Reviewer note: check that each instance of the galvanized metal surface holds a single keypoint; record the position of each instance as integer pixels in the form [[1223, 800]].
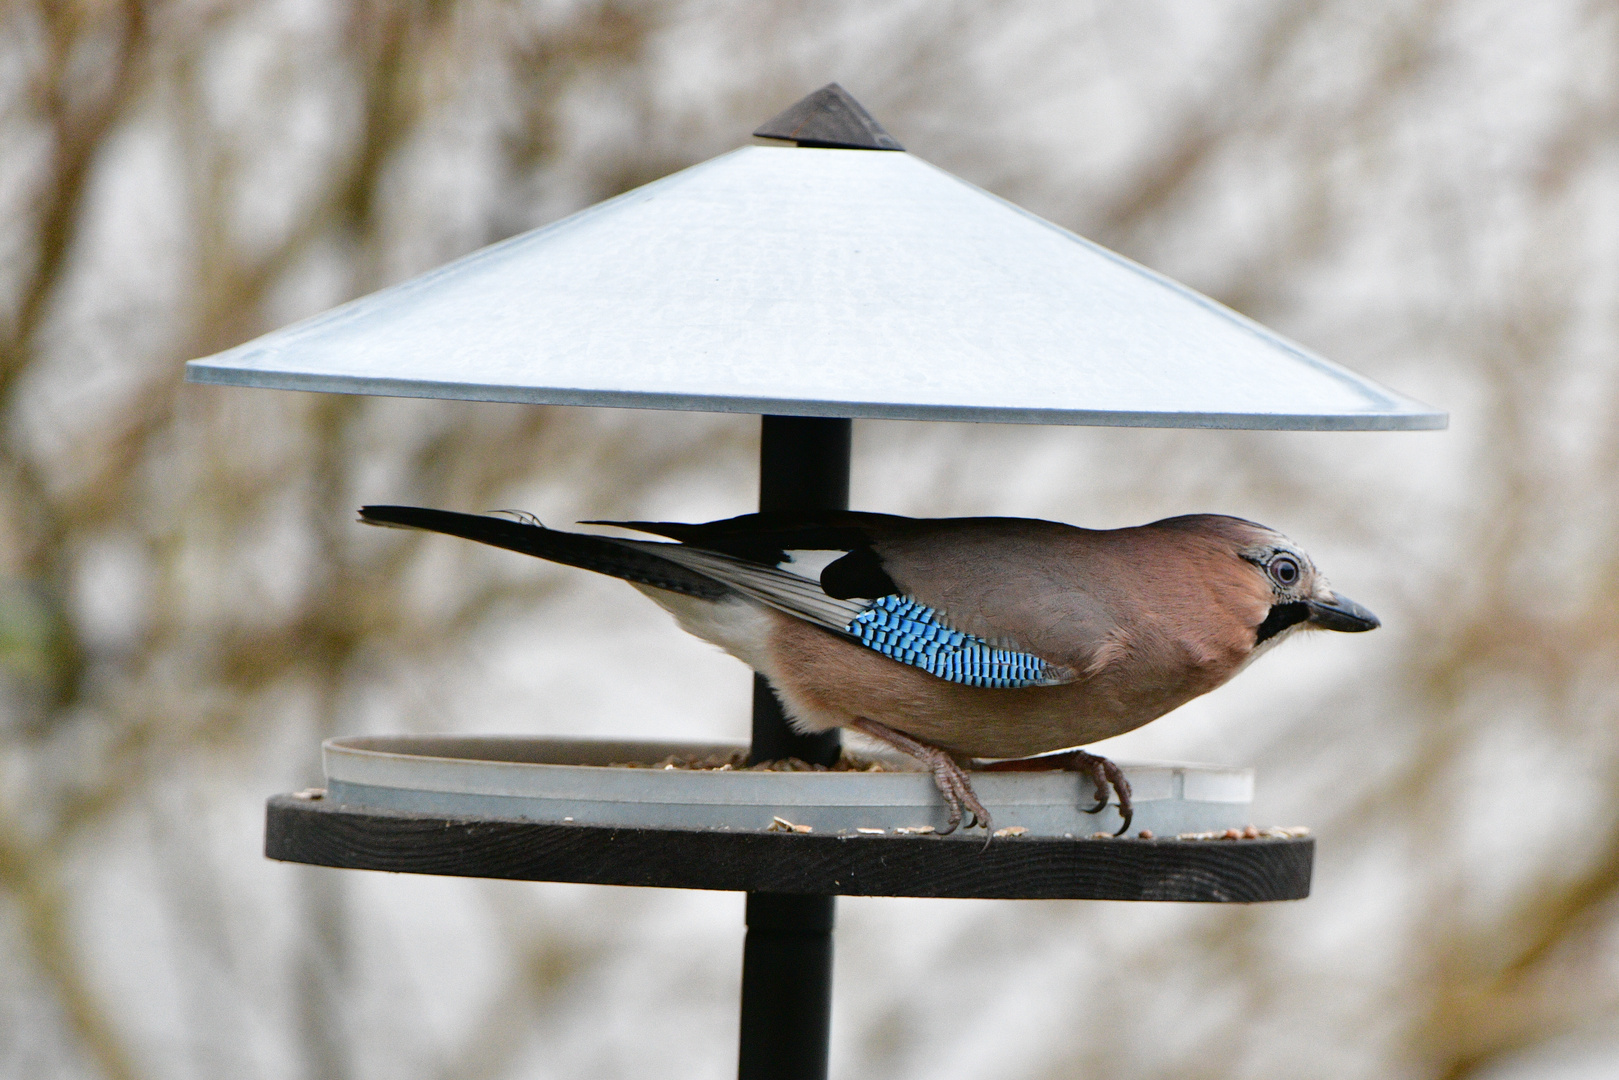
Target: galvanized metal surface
[[573, 780], [818, 282]]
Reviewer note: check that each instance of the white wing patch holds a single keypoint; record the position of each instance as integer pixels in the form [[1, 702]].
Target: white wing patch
[[780, 589]]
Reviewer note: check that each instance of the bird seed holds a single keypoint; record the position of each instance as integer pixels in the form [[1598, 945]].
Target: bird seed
[[781, 824]]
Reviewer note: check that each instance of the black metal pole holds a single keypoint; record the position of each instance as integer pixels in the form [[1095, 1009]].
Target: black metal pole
[[787, 957]]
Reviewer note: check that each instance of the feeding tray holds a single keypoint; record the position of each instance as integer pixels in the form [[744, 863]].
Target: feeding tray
[[608, 811], [841, 278]]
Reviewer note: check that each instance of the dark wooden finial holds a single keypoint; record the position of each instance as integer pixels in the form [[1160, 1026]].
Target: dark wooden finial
[[830, 117]]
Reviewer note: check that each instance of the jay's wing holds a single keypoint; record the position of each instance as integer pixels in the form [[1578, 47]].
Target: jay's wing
[[912, 619], [898, 626], [840, 541]]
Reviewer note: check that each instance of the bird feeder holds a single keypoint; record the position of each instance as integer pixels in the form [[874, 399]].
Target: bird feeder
[[836, 278]]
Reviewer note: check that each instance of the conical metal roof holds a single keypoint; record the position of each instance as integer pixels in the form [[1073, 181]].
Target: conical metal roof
[[818, 282]]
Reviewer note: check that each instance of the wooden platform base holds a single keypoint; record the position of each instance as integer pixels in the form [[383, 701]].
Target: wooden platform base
[[1210, 871]]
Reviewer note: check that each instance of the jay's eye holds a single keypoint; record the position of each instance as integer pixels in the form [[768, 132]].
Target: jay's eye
[[1284, 570]]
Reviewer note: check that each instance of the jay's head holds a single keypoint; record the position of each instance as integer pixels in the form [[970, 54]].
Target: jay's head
[[1297, 594]]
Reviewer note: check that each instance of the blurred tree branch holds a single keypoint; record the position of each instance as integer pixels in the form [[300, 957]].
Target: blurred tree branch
[[257, 608]]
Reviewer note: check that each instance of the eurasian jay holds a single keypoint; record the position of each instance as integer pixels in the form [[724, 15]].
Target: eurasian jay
[[952, 639]]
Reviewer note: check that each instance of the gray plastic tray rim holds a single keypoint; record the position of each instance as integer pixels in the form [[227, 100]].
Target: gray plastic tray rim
[[575, 779]]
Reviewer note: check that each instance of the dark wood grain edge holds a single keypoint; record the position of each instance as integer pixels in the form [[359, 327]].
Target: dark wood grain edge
[[1244, 871]]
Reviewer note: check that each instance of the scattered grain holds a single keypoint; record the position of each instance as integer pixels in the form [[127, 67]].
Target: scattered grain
[[737, 760]]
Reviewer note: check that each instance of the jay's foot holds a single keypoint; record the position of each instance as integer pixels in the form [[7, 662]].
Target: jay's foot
[[950, 777], [1101, 772]]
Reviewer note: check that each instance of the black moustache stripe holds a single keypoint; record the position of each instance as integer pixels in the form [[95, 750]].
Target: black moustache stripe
[[1280, 618]]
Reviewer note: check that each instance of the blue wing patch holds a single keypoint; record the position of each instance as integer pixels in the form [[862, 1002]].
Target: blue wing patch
[[914, 634]]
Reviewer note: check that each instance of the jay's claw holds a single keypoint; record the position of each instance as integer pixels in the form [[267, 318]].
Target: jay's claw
[[1113, 776], [1101, 772], [949, 777]]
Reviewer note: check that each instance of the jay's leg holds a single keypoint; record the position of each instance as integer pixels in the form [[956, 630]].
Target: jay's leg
[[1099, 770], [949, 776]]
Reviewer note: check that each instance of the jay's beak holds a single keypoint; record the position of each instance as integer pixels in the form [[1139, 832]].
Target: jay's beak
[[1341, 613]]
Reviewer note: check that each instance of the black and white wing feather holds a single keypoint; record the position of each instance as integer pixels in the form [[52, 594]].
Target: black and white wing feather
[[897, 626]]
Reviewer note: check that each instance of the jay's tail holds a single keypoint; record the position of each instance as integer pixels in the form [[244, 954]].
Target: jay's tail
[[602, 554]]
